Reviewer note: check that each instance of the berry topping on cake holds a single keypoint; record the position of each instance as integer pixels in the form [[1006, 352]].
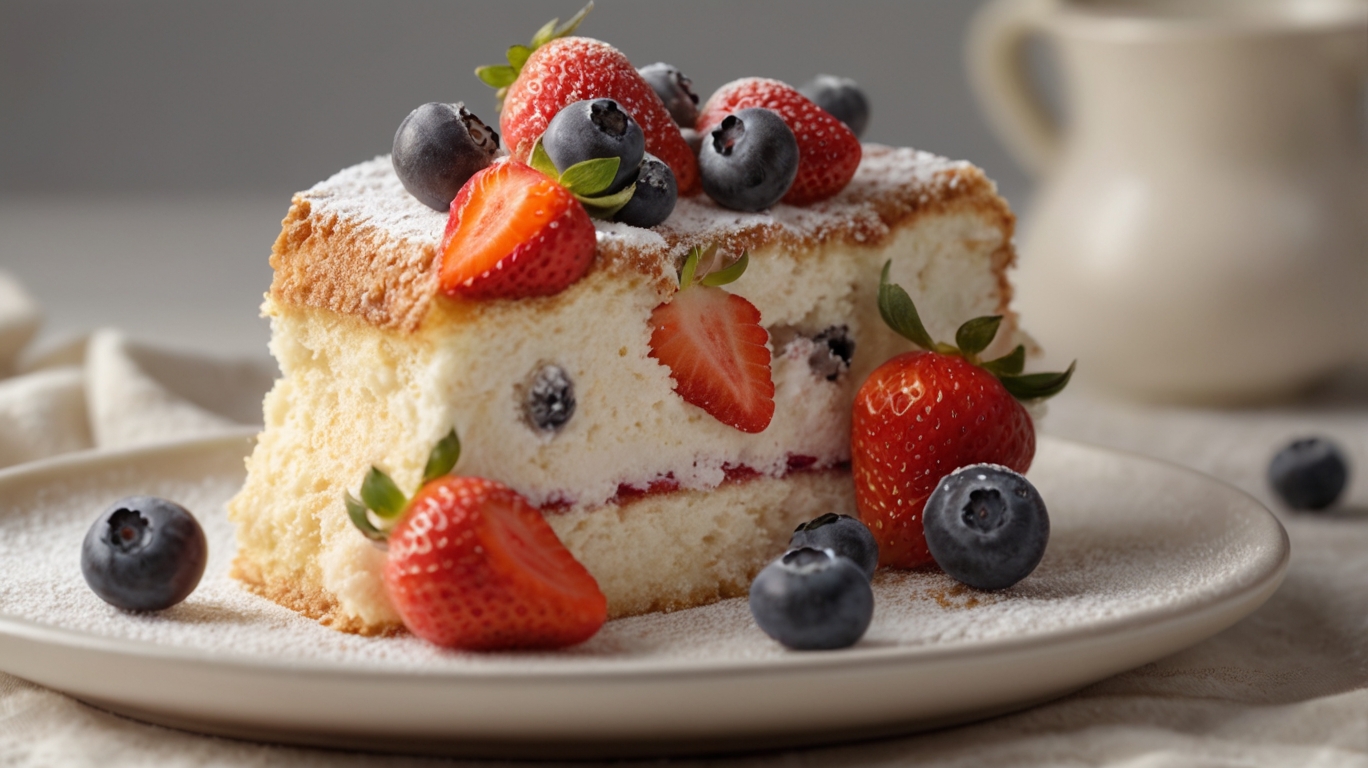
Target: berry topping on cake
[[550, 399], [714, 346], [655, 195], [1309, 474], [472, 565], [749, 160], [144, 554], [594, 129], [556, 71], [986, 526], [675, 89], [812, 599], [924, 414], [828, 151], [841, 534], [840, 97], [438, 148], [513, 233]]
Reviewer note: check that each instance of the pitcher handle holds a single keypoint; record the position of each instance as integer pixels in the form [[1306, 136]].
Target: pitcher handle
[[998, 76]]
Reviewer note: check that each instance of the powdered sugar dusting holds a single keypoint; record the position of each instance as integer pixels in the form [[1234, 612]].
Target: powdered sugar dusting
[[1131, 542], [888, 184]]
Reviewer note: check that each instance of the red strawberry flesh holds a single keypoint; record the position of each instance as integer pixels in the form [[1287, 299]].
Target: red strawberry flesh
[[712, 342], [512, 233], [473, 566]]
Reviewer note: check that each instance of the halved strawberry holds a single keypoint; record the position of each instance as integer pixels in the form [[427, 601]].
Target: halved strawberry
[[828, 152], [472, 565], [715, 348], [555, 71], [513, 232]]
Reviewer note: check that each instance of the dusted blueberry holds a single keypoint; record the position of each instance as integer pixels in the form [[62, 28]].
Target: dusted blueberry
[[986, 526], [1309, 474], [550, 399], [812, 599], [749, 160], [655, 195], [843, 535], [675, 90], [438, 148], [841, 98], [144, 554], [594, 129]]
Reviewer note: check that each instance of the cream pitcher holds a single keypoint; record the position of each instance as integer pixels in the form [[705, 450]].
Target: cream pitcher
[[1201, 229]]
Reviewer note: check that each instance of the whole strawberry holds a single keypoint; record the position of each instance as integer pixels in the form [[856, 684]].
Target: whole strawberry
[[556, 71], [472, 565], [924, 414], [828, 152]]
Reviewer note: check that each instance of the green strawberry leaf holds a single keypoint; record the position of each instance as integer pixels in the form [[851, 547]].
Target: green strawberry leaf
[[542, 161], [605, 206], [1010, 364], [443, 458], [690, 267], [591, 177], [898, 311], [1035, 386], [730, 274], [381, 495], [517, 56], [545, 35], [497, 76], [357, 512], [975, 335]]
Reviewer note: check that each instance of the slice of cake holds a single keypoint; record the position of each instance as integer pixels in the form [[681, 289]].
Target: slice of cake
[[560, 396]]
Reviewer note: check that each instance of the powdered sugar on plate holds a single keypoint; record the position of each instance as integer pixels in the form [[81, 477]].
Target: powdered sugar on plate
[[1131, 542]]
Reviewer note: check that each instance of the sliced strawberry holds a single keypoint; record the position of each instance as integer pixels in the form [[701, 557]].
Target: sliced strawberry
[[512, 233], [565, 70], [715, 349], [828, 152], [472, 565]]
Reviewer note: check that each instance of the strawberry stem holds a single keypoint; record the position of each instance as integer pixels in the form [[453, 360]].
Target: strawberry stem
[[500, 76], [974, 336]]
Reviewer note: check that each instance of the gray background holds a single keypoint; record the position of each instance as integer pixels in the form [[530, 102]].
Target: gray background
[[163, 96], [148, 148]]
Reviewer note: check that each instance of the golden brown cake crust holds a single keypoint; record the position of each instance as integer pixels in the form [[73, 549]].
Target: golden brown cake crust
[[359, 245]]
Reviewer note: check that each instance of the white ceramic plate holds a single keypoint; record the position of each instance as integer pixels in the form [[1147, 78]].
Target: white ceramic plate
[[1144, 559]]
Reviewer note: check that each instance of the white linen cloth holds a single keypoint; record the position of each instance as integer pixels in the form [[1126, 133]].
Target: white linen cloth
[[1288, 686]]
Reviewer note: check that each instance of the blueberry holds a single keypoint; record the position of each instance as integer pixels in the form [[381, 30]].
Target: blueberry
[[842, 98], [675, 90], [592, 129], [550, 399], [1309, 474], [438, 148], [655, 195], [834, 350], [144, 554], [843, 535], [986, 526], [749, 160], [812, 599]]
